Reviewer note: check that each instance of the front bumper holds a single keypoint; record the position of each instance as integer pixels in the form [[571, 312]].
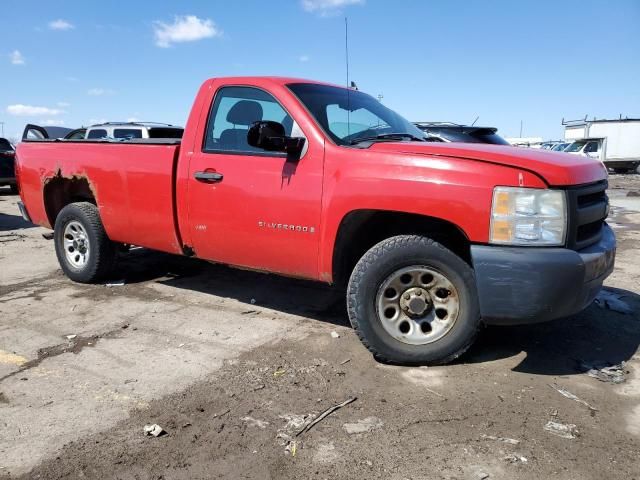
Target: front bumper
[[529, 285]]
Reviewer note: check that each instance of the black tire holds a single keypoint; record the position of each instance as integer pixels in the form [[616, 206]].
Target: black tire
[[102, 251], [14, 189], [383, 260]]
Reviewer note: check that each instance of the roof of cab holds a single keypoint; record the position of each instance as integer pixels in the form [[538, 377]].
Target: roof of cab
[[272, 79]]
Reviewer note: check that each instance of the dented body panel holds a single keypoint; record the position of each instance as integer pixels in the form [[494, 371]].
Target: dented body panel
[[272, 214]]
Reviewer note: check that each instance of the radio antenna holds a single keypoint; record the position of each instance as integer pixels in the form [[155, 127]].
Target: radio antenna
[[346, 56]]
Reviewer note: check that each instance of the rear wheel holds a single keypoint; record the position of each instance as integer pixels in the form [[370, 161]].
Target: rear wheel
[[413, 301], [84, 251]]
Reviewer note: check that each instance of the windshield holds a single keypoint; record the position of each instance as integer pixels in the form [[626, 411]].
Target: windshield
[[349, 115], [575, 147]]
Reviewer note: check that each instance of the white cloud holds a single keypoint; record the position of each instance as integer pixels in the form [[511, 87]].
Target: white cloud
[[328, 7], [63, 104], [99, 92], [304, 58], [185, 28], [133, 119], [17, 58], [20, 110], [61, 24], [97, 121], [72, 79]]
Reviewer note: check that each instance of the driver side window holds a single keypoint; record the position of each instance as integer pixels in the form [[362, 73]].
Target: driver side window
[[591, 147], [233, 111], [344, 124]]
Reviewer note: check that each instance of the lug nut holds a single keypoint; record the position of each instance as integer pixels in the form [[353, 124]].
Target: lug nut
[[407, 296], [419, 292]]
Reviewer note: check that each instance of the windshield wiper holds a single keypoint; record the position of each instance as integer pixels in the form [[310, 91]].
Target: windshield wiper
[[386, 136]]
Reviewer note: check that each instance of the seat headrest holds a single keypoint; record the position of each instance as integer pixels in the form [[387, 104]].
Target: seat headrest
[[245, 112]]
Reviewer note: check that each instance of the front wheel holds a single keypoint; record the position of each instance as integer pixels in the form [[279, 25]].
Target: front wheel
[[84, 251], [413, 301]]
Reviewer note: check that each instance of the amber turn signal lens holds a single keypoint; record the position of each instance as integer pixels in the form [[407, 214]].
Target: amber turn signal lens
[[501, 230]]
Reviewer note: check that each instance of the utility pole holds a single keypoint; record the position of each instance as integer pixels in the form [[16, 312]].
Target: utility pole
[[520, 128], [2, 125], [380, 97]]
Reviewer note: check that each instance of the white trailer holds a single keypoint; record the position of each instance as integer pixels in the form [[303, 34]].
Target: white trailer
[[614, 142]]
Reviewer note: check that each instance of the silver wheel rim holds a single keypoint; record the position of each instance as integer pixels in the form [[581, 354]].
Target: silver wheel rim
[[76, 244], [417, 305]]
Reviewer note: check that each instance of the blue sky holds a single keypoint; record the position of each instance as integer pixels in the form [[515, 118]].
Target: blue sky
[[78, 62]]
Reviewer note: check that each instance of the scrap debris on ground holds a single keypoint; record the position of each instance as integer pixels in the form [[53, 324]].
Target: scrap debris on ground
[[575, 398], [564, 430], [606, 372]]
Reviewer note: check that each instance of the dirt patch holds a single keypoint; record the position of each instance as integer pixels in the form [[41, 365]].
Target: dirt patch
[[445, 422]]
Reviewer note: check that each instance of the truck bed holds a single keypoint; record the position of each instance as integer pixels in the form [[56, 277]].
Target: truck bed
[[133, 183]]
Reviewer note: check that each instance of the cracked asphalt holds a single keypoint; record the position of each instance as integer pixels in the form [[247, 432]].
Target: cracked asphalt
[[233, 363]]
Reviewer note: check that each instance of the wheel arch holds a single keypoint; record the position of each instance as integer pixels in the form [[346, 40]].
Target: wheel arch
[[359, 230], [59, 191]]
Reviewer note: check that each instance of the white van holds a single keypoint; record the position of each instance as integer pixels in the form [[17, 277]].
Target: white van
[[616, 143]]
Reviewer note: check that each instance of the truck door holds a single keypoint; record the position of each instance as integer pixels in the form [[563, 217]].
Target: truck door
[[249, 207]]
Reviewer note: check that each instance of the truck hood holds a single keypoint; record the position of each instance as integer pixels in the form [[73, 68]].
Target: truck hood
[[556, 168]]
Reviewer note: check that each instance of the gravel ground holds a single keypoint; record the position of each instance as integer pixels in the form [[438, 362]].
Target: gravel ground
[[233, 365]]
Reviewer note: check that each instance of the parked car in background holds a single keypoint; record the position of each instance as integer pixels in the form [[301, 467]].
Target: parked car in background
[[429, 239], [550, 145], [37, 132], [453, 132], [560, 147], [7, 161], [131, 130], [616, 143]]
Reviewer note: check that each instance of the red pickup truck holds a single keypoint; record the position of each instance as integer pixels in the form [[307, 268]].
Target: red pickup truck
[[321, 182]]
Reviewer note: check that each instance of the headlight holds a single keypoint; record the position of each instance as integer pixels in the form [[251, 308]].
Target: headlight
[[528, 216]]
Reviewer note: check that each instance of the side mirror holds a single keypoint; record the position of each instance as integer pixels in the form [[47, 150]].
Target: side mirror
[[270, 136]]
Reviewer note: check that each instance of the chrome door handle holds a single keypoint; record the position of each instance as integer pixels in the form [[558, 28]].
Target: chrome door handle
[[208, 177]]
